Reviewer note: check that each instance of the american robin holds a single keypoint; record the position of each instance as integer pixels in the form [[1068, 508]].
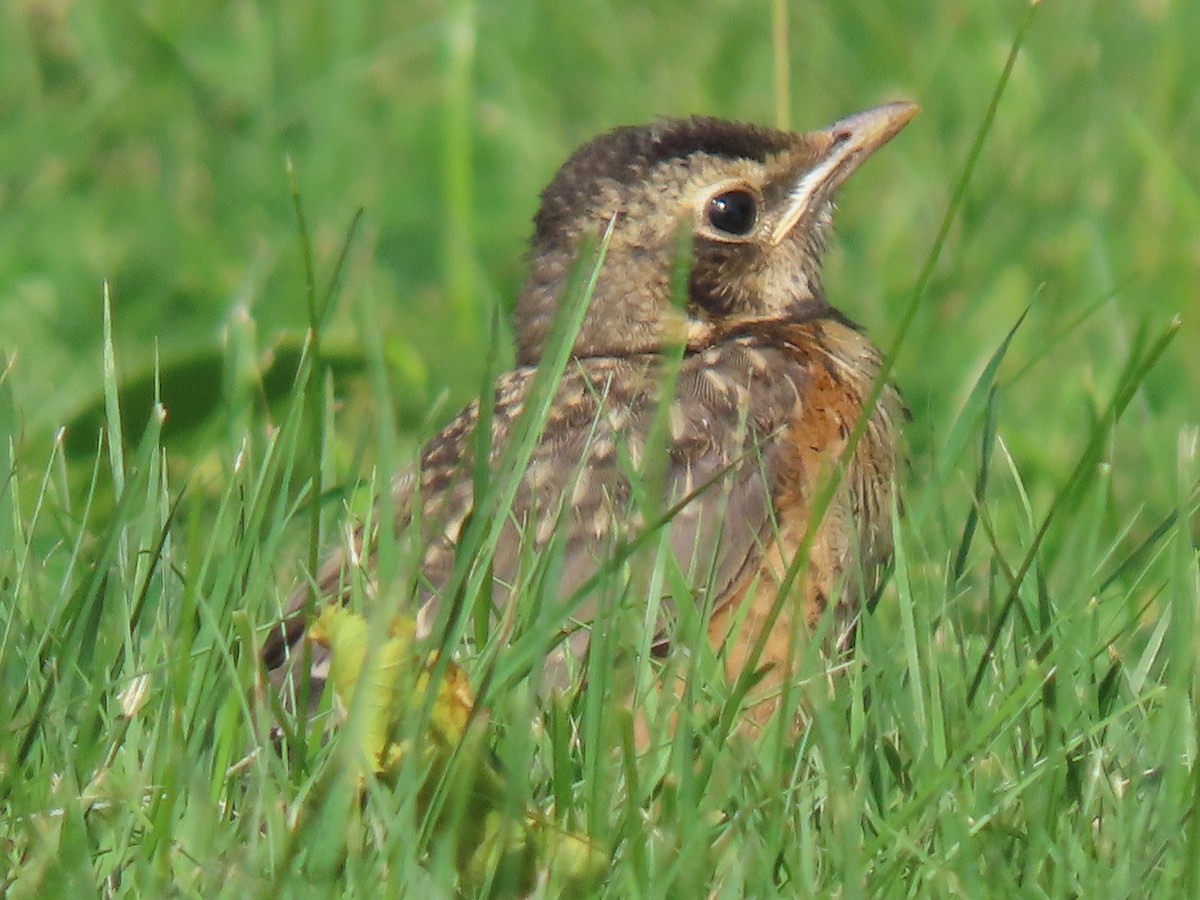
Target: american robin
[[766, 383]]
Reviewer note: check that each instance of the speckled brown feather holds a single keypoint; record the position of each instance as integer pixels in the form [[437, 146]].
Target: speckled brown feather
[[762, 415], [771, 385]]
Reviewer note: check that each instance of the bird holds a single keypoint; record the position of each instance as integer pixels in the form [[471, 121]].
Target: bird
[[707, 344]]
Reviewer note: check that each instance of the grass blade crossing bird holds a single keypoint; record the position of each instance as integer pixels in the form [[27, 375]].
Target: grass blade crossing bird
[[772, 381]]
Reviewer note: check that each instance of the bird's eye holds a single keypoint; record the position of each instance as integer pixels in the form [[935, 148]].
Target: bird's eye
[[733, 212]]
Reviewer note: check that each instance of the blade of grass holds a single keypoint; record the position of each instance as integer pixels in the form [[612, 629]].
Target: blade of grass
[[1135, 373]]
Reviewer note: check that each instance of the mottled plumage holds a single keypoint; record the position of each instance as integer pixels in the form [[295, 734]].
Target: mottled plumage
[[771, 384]]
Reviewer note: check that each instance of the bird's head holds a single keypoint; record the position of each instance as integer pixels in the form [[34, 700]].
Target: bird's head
[[753, 204]]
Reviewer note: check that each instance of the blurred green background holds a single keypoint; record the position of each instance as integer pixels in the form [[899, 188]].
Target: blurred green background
[[144, 145]]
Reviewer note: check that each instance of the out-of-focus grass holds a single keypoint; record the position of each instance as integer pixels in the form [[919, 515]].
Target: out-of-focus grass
[[993, 735], [144, 145]]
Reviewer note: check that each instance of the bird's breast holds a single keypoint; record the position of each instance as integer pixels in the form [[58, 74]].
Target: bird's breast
[[839, 369]]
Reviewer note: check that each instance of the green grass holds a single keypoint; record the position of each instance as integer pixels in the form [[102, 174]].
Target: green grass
[[1020, 717]]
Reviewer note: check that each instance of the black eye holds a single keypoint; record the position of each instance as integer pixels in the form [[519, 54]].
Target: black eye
[[733, 212]]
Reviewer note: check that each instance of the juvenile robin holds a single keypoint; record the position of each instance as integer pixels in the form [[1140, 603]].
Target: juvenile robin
[[766, 383]]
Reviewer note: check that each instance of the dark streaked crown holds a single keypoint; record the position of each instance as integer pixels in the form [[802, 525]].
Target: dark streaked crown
[[628, 154]]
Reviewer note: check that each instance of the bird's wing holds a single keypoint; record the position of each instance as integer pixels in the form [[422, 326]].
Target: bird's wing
[[588, 483]]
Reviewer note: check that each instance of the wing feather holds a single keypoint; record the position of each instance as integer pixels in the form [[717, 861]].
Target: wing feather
[[716, 446]]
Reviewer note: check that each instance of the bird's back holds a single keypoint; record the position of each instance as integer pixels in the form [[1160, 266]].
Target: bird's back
[[736, 440]]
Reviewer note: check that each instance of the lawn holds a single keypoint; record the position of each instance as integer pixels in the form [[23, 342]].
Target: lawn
[[186, 189]]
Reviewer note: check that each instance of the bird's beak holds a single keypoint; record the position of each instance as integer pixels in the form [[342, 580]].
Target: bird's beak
[[841, 148]]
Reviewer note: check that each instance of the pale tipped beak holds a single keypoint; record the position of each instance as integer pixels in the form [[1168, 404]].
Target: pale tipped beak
[[849, 142]]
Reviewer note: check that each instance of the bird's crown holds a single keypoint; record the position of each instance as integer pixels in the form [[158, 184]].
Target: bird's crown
[[753, 203]]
